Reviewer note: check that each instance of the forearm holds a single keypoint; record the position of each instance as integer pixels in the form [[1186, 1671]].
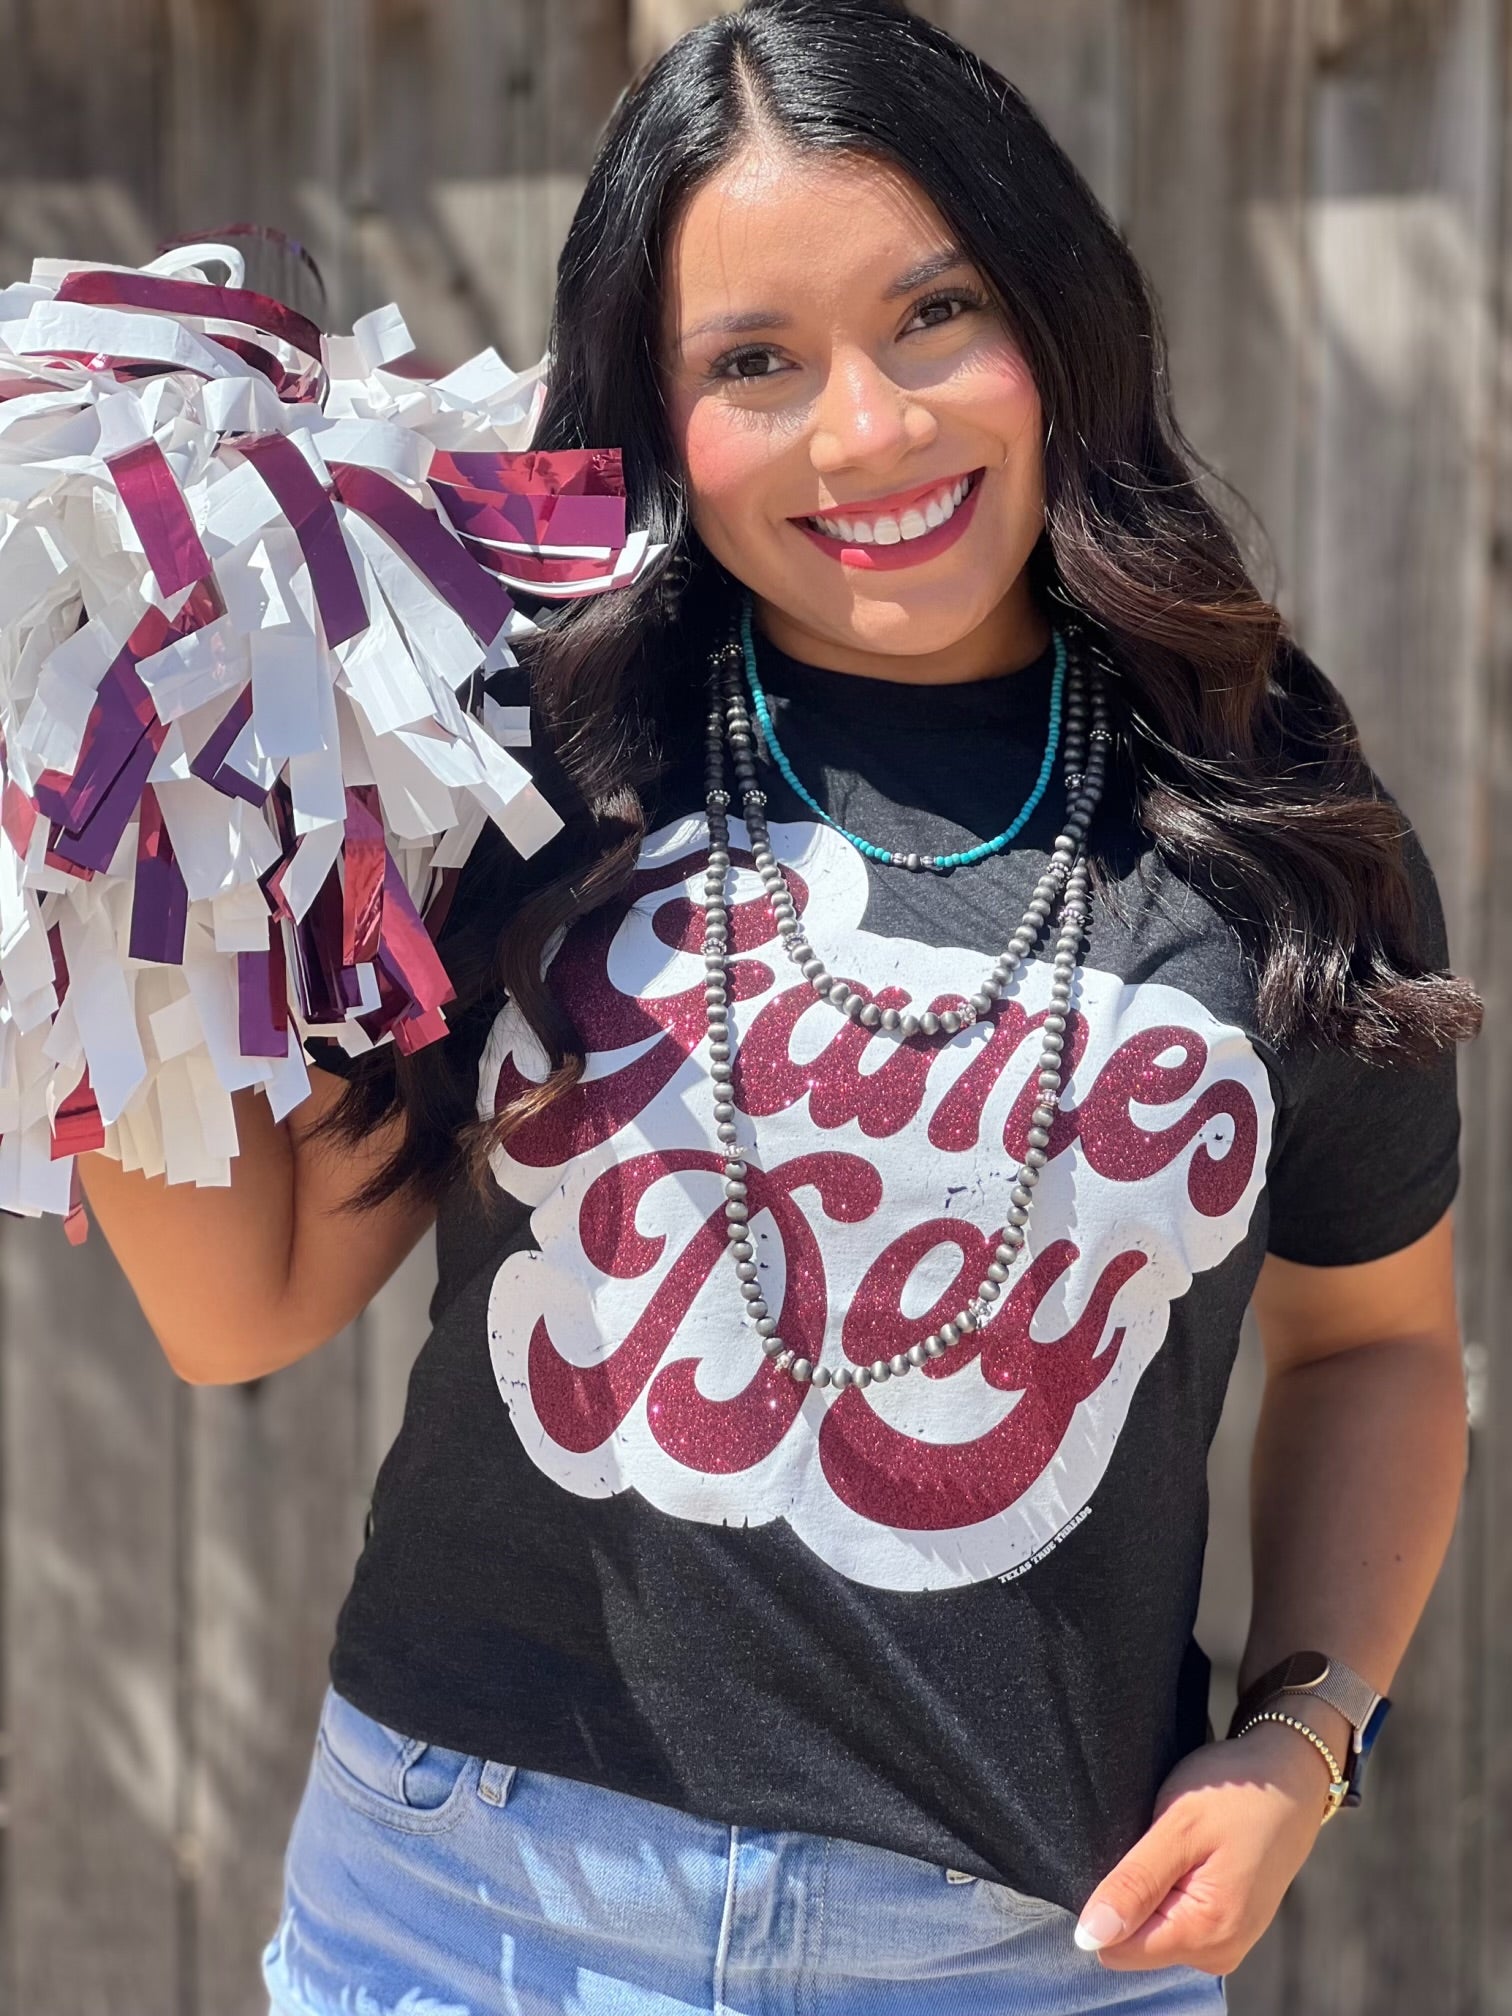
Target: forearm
[[1359, 1463], [1358, 1467]]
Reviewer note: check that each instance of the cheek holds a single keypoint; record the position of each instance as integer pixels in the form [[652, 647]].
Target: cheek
[[725, 462], [1008, 400], [1007, 407]]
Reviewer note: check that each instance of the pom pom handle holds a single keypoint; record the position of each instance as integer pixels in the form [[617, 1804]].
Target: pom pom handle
[[185, 260]]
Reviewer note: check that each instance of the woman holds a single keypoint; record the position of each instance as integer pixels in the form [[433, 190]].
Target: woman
[[980, 962]]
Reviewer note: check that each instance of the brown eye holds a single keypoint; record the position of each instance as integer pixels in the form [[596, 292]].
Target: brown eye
[[717, 368], [966, 297]]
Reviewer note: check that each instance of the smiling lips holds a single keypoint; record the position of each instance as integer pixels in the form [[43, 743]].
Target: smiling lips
[[921, 524]]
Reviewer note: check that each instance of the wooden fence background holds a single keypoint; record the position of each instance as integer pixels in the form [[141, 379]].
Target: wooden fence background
[[1320, 191]]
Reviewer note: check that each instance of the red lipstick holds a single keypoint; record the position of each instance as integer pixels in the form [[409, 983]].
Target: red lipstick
[[880, 559]]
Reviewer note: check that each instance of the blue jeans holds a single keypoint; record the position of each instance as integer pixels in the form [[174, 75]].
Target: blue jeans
[[424, 1882]]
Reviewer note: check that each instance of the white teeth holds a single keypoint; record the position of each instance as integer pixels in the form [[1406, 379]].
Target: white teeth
[[889, 531]]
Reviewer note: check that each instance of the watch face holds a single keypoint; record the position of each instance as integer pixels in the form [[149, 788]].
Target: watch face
[[1305, 1669]]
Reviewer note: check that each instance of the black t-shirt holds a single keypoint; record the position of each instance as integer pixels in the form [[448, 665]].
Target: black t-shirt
[[951, 1615]]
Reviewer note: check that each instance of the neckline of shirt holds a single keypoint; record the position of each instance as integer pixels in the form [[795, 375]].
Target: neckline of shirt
[[1013, 702]]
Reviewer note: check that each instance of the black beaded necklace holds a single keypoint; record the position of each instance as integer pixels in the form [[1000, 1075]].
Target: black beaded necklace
[[1064, 882]]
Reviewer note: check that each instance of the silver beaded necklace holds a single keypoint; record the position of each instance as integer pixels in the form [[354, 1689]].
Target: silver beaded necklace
[[1065, 881]]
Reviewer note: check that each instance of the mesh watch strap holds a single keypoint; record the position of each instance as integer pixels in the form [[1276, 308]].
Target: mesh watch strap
[[1304, 1673]]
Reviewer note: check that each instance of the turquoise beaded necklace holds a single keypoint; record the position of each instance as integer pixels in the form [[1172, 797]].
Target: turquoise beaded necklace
[[939, 863]]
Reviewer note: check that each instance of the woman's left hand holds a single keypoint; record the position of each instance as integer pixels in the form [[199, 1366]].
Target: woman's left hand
[[1233, 1824]]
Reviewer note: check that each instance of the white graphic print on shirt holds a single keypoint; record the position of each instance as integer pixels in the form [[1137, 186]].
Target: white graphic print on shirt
[[879, 1181]]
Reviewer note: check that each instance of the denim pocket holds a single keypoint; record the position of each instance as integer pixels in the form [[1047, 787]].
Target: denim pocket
[[402, 1781], [1019, 1905]]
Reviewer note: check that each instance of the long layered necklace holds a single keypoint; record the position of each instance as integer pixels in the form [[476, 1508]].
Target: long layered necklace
[[1063, 885]]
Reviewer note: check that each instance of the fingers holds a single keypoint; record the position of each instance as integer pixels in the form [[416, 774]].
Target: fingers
[[1202, 1883], [1174, 1899], [1135, 1887], [1196, 1924]]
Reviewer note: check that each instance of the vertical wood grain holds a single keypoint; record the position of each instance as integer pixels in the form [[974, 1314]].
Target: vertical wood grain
[[1219, 103], [264, 75], [1073, 77], [92, 1618], [273, 1522], [477, 125], [95, 1428], [1396, 488], [95, 1425], [1486, 1260], [79, 141], [1395, 522]]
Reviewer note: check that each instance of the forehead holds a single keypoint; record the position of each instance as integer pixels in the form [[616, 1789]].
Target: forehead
[[778, 227]]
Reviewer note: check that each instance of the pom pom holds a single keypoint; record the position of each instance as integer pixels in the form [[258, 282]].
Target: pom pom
[[252, 581]]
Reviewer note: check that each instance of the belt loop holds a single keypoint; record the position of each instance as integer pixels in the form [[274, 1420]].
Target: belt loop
[[494, 1782]]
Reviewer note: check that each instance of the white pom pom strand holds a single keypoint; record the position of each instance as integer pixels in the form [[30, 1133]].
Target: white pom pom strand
[[249, 575]]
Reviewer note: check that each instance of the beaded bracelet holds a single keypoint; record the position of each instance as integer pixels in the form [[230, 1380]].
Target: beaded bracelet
[[1339, 1785]]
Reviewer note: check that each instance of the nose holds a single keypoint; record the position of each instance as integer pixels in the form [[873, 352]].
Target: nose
[[864, 419]]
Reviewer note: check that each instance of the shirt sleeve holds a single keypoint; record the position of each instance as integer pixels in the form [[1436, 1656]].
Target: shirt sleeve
[[1367, 1157], [328, 1055]]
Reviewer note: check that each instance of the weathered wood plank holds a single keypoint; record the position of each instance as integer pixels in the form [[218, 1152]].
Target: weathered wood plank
[[1218, 102], [62, 187], [274, 1522], [95, 1440], [1395, 485], [279, 78], [477, 123], [93, 1421], [1394, 541], [1486, 1261], [1073, 77]]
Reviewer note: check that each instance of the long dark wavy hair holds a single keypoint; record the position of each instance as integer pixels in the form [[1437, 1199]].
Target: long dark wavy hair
[[1244, 762]]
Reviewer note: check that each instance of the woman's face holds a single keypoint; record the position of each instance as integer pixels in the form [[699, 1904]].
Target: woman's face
[[823, 352]]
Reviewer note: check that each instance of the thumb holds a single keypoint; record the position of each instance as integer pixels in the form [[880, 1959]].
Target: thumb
[[1135, 1886]]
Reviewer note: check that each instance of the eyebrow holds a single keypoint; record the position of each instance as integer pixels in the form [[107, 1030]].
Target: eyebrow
[[929, 268]]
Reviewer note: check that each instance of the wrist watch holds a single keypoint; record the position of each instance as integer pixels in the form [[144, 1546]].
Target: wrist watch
[[1330, 1680]]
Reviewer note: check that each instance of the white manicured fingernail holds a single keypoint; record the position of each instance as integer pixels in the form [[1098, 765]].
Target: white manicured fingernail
[[1100, 1925]]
